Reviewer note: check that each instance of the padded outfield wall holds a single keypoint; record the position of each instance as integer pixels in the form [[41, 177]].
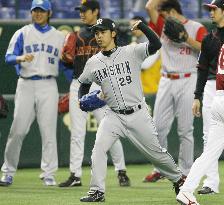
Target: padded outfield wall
[[31, 150]]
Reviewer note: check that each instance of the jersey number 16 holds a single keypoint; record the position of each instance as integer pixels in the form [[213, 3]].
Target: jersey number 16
[[50, 60]]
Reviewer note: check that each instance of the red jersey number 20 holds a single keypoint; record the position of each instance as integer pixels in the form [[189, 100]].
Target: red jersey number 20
[[185, 51]]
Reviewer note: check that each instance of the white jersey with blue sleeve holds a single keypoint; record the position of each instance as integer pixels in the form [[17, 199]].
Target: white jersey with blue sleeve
[[45, 46]]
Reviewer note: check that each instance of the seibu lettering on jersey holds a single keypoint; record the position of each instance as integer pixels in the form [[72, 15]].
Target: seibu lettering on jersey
[[113, 70], [43, 48]]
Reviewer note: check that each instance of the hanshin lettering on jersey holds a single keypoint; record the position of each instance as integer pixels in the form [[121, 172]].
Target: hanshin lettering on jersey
[[117, 69]]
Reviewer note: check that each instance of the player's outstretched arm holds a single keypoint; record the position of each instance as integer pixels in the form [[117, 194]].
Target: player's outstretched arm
[[154, 42]]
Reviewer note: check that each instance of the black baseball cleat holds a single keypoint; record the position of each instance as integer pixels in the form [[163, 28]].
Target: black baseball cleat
[[71, 181], [123, 178], [179, 184], [93, 196], [206, 190]]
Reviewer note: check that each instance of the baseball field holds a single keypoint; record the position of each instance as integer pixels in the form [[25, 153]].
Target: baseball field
[[27, 189]]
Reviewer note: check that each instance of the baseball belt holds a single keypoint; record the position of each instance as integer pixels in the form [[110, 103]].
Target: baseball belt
[[175, 76], [37, 77], [128, 111]]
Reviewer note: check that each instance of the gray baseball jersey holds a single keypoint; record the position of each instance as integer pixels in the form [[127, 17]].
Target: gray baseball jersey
[[119, 77]]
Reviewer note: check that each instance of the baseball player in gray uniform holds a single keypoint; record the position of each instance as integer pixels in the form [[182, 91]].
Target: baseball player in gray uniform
[[117, 70], [175, 94], [85, 47], [35, 49]]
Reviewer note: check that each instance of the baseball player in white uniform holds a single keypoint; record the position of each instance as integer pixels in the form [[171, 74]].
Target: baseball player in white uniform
[[85, 47], [35, 49], [215, 141], [176, 88], [211, 59], [117, 70], [207, 62]]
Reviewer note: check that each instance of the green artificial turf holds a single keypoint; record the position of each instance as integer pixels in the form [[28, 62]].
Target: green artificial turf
[[28, 189]]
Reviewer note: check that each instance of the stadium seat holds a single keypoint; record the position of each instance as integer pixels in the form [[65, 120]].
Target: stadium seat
[[24, 4], [109, 8], [24, 14], [7, 3], [7, 13], [190, 8]]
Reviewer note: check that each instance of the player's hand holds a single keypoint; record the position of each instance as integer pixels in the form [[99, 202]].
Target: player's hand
[[101, 95], [135, 26], [25, 58], [196, 108]]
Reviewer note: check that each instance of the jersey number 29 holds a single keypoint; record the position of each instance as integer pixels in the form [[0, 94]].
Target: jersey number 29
[[125, 80]]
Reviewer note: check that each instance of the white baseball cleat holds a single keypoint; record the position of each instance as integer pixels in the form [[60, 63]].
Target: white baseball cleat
[[49, 181], [186, 198]]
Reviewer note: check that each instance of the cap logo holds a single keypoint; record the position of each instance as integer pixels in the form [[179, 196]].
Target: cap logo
[[39, 2], [83, 1], [113, 24], [99, 21]]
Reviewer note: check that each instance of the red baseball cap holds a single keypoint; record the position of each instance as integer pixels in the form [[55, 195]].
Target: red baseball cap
[[214, 4]]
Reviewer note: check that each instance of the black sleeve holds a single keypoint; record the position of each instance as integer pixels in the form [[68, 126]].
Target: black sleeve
[[83, 89], [201, 81], [204, 56], [203, 67], [154, 42]]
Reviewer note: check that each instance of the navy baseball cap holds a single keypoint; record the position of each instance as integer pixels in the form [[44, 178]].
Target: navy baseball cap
[[43, 4], [104, 24], [214, 4], [88, 4]]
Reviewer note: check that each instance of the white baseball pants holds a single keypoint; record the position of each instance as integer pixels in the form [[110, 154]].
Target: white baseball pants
[[214, 146]]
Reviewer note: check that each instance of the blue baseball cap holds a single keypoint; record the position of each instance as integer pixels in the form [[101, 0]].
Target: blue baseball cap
[[43, 4]]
